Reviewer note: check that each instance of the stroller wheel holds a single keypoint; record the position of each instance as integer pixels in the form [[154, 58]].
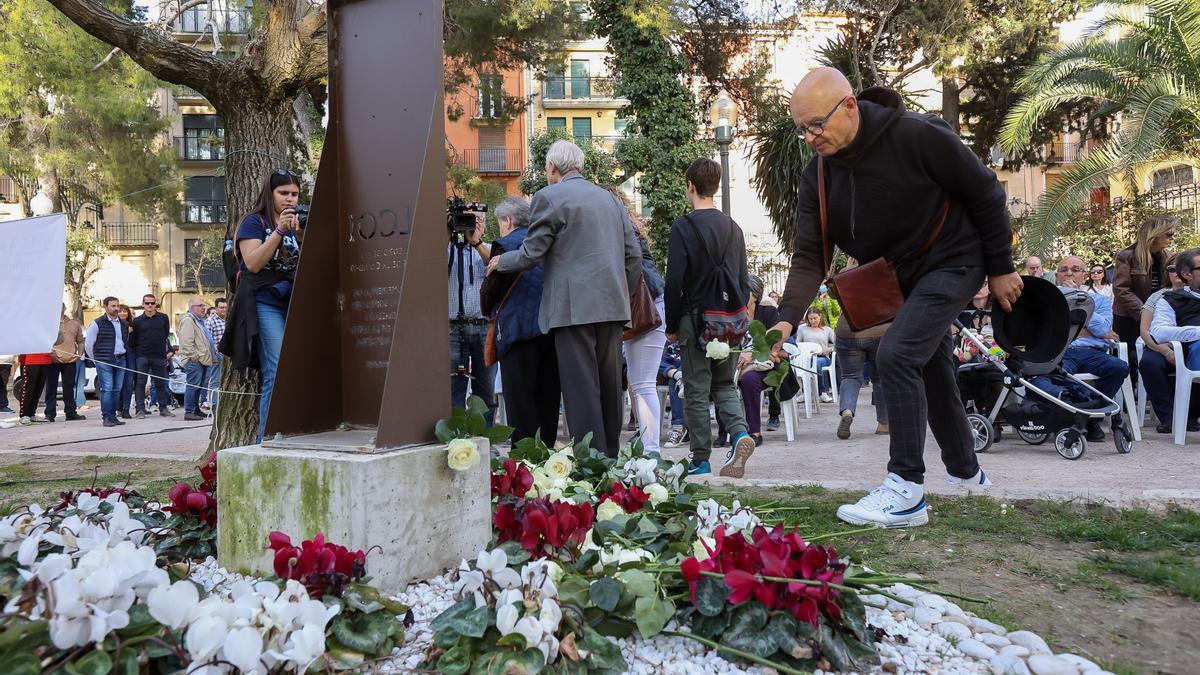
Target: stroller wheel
[[1123, 438], [1033, 438], [982, 430], [1070, 444]]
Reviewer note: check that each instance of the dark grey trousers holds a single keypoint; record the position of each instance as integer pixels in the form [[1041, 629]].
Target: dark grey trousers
[[589, 367], [916, 363]]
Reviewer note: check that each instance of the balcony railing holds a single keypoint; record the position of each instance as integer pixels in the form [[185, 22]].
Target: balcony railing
[[186, 93], [211, 277], [129, 235], [196, 20], [8, 190], [1065, 152], [200, 148], [204, 211], [578, 88], [494, 160]]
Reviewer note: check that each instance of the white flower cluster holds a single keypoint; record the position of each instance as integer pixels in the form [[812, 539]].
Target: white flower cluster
[[735, 518], [104, 570], [552, 479], [615, 553], [644, 473], [525, 602]]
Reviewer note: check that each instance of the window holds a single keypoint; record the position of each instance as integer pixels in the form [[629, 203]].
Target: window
[[580, 84], [1172, 177], [581, 127], [491, 96], [204, 200], [556, 123], [212, 270], [556, 82], [619, 125], [203, 138]]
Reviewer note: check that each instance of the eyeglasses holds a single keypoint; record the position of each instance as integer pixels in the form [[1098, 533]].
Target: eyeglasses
[[1098, 270], [286, 172], [817, 128], [148, 303], [1076, 270]]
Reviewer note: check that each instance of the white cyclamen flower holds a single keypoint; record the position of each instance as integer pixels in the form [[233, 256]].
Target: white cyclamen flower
[[174, 606], [550, 615], [717, 350], [205, 637], [243, 648], [559, 465], [304, 646], [462, 454], [495, 565], [507, 615], [658, 494]]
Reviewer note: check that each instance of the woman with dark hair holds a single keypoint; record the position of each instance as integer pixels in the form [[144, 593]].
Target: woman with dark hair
[[267, 245], [1098, 282], [125, 398], [1140, 270]]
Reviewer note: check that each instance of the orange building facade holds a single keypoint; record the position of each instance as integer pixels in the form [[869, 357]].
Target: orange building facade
[[480, 140]]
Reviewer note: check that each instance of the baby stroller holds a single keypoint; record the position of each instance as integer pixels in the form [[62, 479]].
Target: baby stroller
[[1026, 388]]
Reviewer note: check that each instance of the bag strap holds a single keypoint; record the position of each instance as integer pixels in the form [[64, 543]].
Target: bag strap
[[700, 239], [828, 260], [508, 293]]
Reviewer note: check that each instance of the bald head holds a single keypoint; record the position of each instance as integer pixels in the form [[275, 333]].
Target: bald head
[[824, 104]]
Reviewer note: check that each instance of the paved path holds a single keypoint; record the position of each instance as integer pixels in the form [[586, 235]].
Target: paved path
[[1157, 471]]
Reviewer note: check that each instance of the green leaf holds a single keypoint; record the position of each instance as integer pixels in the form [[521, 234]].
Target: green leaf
[[344, 658], [854, 616], [843, 653], [366, 633], [476, 424], [24, 663], [638, 582], [498, 433], [476, 406], [455, 611], [791, 637], [516, 555], [651, 614], [442, 431], [29, 634], [358, 599], [573, 590], [605, 594], [525, 662], [129, 663], [606, 655], [456, 660], [747, 631], [515, 640], [95, 662], [711, 595]]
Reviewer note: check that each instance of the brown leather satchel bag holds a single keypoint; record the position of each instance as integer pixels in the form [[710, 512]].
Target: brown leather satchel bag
[[491, 353], [870, 294], [643, 315]]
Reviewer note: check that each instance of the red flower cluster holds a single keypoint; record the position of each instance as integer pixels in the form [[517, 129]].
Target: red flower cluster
[[322, 567], [543, 527], [209, 473], [631, 498], [514, 481], [773, 553], [188, 500]]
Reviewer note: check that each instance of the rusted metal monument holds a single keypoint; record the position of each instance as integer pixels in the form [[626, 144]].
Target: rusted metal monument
[[364, 369]]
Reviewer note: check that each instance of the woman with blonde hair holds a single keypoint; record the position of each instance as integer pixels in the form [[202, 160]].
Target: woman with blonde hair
[[643, 353], [1140, 270]]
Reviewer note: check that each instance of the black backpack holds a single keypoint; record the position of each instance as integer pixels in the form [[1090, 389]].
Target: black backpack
[[720, 309]]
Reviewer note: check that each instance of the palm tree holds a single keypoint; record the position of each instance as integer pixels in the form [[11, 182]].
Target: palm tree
[[1148, 76], [779, 157]]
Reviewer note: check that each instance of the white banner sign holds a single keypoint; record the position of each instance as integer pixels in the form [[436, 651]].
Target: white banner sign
[[33, 255]]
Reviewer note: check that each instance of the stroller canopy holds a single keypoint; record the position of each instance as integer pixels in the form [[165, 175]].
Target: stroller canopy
[[1043, 322]]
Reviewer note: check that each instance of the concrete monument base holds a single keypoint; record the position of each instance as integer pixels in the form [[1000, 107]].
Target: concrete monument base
[[423, 515]]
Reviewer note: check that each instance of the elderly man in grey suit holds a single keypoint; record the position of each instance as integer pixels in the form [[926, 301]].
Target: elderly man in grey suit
[[591, 256]]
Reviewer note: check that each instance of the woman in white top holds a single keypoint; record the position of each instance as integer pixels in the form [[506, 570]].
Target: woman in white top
[[815, 331], [1098, 282]]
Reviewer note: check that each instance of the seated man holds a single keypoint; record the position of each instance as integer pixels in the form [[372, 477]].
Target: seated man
[[1089, 352], [1177, 317]]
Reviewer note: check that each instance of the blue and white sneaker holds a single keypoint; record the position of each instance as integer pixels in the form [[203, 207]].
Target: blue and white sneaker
[[699, 468], [979, 480], [735, 460], [896, 503]]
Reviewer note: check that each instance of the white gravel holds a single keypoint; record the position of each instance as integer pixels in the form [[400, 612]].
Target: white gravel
[[933, 635]]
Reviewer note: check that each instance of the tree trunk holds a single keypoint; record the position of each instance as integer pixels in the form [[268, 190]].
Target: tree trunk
[[258, 134], [950, 93]]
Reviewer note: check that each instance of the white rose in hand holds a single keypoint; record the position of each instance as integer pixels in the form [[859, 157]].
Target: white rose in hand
[[462, 455], [717, 350]]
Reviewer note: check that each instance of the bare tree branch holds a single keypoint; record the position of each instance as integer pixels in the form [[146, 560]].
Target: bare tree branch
[[153, 49], [162, 23]]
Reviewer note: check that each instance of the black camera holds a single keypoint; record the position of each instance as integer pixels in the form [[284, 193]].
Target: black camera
[[460, 215], [301, 212]]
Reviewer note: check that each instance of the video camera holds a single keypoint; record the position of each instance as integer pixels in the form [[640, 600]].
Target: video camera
[[460, 216]]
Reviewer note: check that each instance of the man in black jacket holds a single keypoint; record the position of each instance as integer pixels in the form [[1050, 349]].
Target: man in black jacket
[[149, 342], [888, 175]]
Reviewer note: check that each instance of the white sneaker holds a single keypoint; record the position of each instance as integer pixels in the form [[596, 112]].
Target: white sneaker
[[25, 421], [896, 503], [979, 480], [826, 398]]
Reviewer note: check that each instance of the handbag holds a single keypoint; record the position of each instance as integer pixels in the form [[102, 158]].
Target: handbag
[[870, 294], [643, 315], [491, 353]]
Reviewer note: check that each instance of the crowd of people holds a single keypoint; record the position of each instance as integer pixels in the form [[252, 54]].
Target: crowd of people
[[128, 353]]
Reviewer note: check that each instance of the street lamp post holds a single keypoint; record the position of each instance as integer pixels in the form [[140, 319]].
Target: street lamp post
[[724, 116]]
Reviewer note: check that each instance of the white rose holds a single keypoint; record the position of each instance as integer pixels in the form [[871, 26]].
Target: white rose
[[658, 494], [559, 465], [462, 455], [609, 510], [717, 350]]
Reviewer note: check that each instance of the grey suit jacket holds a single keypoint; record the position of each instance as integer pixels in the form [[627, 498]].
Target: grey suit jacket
[[591, 256]]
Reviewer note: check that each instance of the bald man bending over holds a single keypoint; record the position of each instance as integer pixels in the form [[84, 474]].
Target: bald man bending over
[[888, 175]]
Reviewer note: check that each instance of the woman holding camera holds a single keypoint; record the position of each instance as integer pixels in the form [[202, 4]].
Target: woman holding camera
[[267, 245]]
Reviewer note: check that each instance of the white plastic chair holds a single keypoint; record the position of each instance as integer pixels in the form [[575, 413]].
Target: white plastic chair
[[831, 370], [1184, 379], [1125, 395], [802, 357], [1141, 389], [788, 406], [500, 416]]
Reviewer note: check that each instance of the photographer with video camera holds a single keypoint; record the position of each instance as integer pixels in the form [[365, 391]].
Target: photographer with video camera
[[267, 247], [466, 266]]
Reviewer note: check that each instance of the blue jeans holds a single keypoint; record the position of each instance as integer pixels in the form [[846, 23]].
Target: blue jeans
[[152, 370], [1109, 370], [270, 341], [108, 381], [214, 383], [197, 376], [822, 376], [676, 404]]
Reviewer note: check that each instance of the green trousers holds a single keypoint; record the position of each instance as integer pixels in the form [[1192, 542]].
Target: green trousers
[[703, 378]]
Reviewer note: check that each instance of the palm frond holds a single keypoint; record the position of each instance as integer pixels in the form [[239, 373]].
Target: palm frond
[[1024, 116], [1061, 202], [1149, 113]]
